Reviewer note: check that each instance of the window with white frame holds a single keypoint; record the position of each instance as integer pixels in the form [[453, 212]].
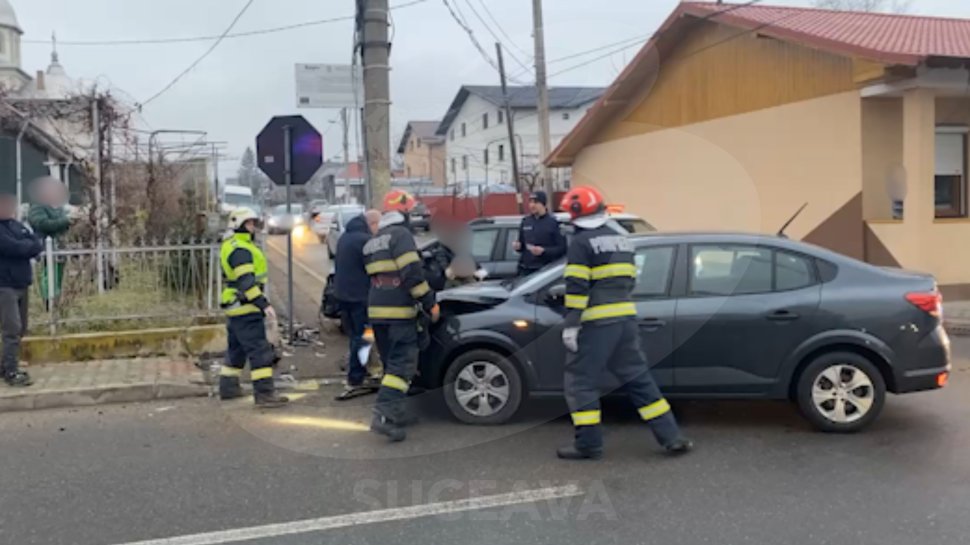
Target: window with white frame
[[950, 180]]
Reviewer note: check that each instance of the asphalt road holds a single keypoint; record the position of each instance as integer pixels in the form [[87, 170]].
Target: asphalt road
[[310, 474]]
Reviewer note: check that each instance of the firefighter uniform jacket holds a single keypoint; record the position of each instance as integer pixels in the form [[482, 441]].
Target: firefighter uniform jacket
[[244, 268], [600, 275], [398, 285]]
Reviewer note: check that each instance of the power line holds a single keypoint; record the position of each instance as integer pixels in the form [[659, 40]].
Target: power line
[[471, 36], [191, 39], [494, 34], [201, 58], [500, 29]]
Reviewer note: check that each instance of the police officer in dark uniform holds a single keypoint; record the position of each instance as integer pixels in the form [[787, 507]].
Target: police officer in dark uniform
[[398, 294], [601, 331], [540, 241]]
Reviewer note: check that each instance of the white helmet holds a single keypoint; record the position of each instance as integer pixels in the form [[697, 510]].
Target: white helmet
[[239, 217]]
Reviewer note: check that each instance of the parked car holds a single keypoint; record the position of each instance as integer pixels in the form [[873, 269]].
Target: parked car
[[721, 316], [280, 222], [339, 216], [491, 240], [420, 217]]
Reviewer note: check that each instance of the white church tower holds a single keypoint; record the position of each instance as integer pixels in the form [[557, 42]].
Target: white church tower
[[12, 76]]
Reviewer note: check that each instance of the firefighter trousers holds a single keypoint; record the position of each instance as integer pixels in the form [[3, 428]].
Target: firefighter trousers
[[615, 348], [247, 342], [397, 343]]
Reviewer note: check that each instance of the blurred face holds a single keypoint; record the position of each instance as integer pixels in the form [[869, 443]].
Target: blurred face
[[8, 207], [373, 218], [250, 226], [537, 208]]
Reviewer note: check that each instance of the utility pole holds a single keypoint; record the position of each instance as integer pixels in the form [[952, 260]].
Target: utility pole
[[343, 120], [511, 126], [545, 146], [215, 177], [372, 17]]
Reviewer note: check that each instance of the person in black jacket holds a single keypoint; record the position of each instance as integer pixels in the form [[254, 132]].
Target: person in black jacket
[[540, 240], [17, 247], [353, 287]]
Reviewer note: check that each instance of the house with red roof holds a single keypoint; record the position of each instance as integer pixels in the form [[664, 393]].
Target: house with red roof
[[732, 116]]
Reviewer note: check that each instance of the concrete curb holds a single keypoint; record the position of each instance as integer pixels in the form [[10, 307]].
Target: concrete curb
[[192, 341], [99, 395], [958, 329]]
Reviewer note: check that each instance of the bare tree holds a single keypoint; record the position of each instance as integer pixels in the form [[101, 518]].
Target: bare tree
[[886, 6]]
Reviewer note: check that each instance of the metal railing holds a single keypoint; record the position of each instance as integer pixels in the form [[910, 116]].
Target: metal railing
[[153, 284]]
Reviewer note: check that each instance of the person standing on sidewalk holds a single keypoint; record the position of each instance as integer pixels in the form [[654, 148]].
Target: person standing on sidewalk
[[246, 307], [48, 218], [398, 293], [540, 241], [17, 247], [352, 289]]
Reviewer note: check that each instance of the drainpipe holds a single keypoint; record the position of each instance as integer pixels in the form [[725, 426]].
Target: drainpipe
[[20, 169]]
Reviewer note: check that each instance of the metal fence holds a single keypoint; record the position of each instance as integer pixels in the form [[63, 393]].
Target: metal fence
[[113, 288]]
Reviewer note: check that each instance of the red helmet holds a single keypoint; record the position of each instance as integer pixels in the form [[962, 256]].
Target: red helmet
[[582, 201], [398, 201]]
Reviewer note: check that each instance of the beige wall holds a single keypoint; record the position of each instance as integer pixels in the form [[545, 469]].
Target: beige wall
[[425, 161], [882, 152], [746, 172]]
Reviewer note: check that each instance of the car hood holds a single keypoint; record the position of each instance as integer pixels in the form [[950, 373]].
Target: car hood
[[486, 293]]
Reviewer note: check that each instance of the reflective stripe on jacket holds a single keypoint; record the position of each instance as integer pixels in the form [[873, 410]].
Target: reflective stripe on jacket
[[244, 269], [600, 275], [398, 286]]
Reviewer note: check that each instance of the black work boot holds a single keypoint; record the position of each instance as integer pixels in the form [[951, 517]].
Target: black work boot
[[18, 379], [679, 446], [229, 388], [270, 400], [571, 452], [382, 426]]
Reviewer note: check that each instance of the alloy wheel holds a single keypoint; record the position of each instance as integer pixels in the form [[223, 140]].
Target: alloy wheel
[[482, 388], [843, 393]]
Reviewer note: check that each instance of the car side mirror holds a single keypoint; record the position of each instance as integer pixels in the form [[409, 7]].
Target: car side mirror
[[556, 295]]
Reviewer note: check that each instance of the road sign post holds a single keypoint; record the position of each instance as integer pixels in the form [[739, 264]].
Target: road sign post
[[290, 152]]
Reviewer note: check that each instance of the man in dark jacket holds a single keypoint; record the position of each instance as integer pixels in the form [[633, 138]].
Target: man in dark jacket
[[540, 240], [17, 247], [352, 289]]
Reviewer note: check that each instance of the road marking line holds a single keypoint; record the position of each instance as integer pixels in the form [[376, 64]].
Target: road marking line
[[306, 268], [368, 517]]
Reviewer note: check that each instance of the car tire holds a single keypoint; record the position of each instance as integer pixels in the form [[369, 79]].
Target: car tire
[[836, 408], [505, 378]]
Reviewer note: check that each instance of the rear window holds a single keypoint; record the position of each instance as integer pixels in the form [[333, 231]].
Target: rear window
[[636, 226]]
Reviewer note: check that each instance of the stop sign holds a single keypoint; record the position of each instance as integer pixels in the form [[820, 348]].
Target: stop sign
[[306, 147]]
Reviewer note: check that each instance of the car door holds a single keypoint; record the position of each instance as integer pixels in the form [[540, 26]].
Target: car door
[[656, 309], [506, 263], [483, 248], [746, 308], [655, 322]]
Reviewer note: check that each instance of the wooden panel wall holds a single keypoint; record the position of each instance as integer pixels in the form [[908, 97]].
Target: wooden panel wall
[[716, 72]]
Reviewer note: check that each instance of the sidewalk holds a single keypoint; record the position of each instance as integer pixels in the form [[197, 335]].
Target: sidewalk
[[101, 382], [956, 317]]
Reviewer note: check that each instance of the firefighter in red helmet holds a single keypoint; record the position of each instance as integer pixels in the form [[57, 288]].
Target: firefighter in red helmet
[[399, 294], [600, 333]]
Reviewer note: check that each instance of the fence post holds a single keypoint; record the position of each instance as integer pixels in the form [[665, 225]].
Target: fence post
[[99, 265], [209, 283], [51, 279]]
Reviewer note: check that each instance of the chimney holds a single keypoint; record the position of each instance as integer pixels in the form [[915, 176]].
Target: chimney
[[40, 80]]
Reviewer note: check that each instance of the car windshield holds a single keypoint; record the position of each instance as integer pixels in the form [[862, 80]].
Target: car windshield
[[237, 199]]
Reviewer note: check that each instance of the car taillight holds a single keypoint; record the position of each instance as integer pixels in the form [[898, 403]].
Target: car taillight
[[929, 302]]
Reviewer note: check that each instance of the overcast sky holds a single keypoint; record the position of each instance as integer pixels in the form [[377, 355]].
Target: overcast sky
[[247, 80]]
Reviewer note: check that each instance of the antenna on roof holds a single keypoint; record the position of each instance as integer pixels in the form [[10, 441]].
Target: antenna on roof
[[781, 232]]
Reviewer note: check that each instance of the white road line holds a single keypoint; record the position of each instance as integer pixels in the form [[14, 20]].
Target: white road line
[[367, 517], [306, 268]]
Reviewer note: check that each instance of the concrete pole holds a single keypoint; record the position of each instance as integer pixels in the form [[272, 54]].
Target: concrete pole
[[96, 126], [510, 123], [545, 146], [344, 123], [377, 100]]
